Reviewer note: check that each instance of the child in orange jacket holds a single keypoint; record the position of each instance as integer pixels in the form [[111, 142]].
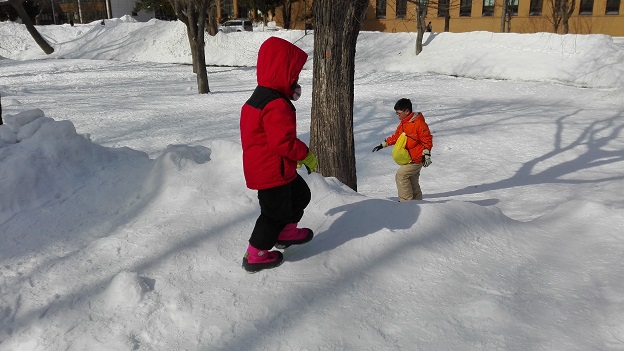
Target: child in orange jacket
[[419, 144]]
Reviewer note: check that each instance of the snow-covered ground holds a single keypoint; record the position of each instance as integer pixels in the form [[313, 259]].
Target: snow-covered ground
[[124, 214]]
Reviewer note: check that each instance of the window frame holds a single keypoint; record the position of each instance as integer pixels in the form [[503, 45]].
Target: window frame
[[586, 7], [401, 9], [379, 11], [512, 7], [614, 9], [488, 10], [463, 5], [444, 8], [536, 7]]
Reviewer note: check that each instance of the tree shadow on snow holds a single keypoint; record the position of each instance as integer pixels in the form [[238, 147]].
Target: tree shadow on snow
[[358, 220], [591, 149], [586, 151], [365, 217]]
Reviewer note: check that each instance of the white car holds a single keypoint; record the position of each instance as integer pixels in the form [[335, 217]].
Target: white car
[[237, 25]]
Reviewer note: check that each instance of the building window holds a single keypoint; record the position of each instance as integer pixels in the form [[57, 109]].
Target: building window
[[380, 11], [613, 7], [227, 9], [465, 8], [512, 7], [443, 8], [401, 8], [586, 7], [488, 8], [536, 8]]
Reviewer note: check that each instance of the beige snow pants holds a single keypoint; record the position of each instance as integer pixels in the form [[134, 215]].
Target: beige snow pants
[[407, 182]]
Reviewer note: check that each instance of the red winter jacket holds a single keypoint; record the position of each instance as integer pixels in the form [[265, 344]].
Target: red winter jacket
[[268, 127], [418, 135]]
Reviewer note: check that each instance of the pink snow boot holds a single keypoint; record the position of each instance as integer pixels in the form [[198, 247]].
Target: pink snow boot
[[256, 260], [291, 235]]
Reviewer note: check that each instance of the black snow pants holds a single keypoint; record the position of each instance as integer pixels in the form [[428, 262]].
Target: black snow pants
[[279, 206]]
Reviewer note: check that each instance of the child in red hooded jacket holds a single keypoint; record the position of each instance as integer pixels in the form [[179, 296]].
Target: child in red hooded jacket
[[419, 144], [272, 152]]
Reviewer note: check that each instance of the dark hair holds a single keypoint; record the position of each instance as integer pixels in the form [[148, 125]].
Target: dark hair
[[403, 104]]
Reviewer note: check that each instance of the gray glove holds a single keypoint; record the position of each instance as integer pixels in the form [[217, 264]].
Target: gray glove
[[426, 158]]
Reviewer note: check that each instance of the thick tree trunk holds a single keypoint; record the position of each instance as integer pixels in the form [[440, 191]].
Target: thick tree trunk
[[21, 12], [190, 33], [200, 42], [336, 27], [211, 22], [193, 14], [421, 14]]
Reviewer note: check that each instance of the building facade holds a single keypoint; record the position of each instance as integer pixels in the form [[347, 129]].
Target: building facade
[[83, 11], [527, 16]]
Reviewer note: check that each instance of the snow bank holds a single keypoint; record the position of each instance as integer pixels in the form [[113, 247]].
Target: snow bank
[[581, 60]]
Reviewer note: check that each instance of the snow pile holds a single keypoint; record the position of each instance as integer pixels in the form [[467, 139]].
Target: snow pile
[[63, 160], [581, 60], [124, 213]]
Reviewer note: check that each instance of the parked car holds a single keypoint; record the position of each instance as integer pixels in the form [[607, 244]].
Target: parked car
[[237, 25]]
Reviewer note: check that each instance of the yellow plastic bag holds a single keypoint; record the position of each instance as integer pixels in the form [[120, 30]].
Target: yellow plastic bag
[[400, 155]]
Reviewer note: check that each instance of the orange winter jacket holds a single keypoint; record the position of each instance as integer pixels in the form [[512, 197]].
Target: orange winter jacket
[[418, 135]]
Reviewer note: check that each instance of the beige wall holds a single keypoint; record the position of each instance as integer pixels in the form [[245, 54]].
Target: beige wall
[[597, 23]]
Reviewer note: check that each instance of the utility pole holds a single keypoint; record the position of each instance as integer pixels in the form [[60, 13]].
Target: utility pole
[[503, 16], [80, 12], [53, 12], [108, 9]]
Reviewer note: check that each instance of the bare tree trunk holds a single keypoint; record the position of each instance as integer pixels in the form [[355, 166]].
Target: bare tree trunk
[[287, 13], [190, 33], [566, 13], [193, 14], [18, 5], [200, 42], [337, 24], [212, 25], [1, 123], [557, 14], [503, 15], [561, 12], [421, 14]]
